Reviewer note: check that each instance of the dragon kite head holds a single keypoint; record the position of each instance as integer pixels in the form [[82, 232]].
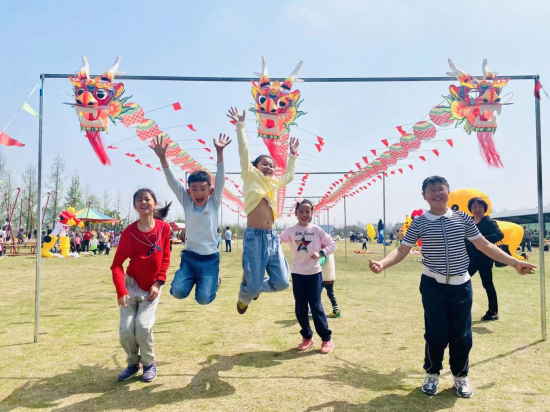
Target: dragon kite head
[[475, 101], [474, 104], [96, 101], [275, 105]]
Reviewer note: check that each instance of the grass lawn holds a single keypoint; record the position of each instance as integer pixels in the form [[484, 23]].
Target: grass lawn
[[210, 358]]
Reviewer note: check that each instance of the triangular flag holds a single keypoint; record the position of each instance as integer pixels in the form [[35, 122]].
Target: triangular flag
[[8, 141], [422, 158], [139, 162], [176, 106], [436, 152], [111, 147], [341, 180], [207, 149], [450, 141], [190, 126], [358, 166], [385, 142], [321, 141], [149, 166], [373, 152], [393, 172], [201, 141], [346, 176], [318, 147], [158, 168], [400, 129], [369, 184], [411, 166], [26, 107], [365, 159], [538, 86], [385, 174], [400, 171], [130, 155]]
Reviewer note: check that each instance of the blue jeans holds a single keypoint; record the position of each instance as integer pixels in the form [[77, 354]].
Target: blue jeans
[[262, 252], [201, 271]]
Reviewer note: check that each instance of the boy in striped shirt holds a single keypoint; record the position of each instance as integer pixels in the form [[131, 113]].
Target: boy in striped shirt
[[445, 285]]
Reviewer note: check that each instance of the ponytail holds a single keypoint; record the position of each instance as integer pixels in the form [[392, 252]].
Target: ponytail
[[160, 213]]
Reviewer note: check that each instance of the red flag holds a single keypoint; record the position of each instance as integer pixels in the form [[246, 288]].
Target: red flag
[[373, 152], [139, 162], [8, 141], [302, 184], [211, 158], [232, 121], [400, 171], [190, 126], [158, 168], [207, 149], [450, 141], [370, 184], [318, 147], [149, 166], [341, 180], [112, 147], [226, 178], [436, 152], [538, 86], [365, 159], [358, 166], [385, 141], [400, 129], [385, 174], [422, 158], [346, 176], [201, 141], [321, 141], [176, 106], [181, 180], [411, 166], [393, 172], [130, 155], [379, 177]]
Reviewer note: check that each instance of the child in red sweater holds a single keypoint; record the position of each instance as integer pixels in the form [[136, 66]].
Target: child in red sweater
[[147, 244]]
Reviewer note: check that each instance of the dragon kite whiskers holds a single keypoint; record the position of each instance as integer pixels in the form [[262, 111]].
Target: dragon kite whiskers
[[474, 103]]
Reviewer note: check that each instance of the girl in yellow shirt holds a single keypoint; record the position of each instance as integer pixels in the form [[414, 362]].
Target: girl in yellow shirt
[[261, 245]]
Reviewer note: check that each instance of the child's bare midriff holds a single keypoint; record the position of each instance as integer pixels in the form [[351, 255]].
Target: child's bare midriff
[[261, 217]]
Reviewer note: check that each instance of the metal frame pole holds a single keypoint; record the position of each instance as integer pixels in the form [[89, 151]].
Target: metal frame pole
[[541, 218], [39, 215], [238, 228], [384, 214], [345, 224]]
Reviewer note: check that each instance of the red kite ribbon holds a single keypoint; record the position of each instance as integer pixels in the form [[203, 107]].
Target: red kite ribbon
[[346, 176], [393, 172]]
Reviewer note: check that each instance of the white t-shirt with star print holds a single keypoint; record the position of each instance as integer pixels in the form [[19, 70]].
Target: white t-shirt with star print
[[305, 240]]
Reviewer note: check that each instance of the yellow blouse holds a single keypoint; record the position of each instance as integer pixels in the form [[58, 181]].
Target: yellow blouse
[[257, 186]]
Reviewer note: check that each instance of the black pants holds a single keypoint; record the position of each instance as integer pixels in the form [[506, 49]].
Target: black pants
[[331, 296], [107, 249], [448, 321], [85, 245], [228, 245], [364, 246], [101, 247], [486, 275], [307, 292], [77, 247], [526, 242]]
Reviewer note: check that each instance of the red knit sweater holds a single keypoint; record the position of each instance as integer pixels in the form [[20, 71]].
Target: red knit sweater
[[135, 245]]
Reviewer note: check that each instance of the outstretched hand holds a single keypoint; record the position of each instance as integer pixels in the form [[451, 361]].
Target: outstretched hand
[[158, 146], [294, 143], [222, 142], [234, 115], [524, 268], [375, 266]]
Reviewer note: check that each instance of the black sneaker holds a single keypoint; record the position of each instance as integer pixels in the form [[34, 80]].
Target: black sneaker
[[149, 373], [129, 372], [490, 315]]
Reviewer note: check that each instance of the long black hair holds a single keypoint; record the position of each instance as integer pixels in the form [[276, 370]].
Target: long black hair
[[160, 212]]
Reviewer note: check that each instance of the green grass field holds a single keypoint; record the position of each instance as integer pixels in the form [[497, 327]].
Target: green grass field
[[210, 358]]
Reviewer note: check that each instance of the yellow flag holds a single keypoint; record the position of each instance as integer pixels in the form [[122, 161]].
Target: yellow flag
[[26, 107]]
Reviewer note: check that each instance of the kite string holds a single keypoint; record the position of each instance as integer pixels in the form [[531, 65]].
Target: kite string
[[17, 112]]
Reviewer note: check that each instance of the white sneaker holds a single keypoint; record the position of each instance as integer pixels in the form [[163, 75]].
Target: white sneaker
[[430, 384], [463, 388]]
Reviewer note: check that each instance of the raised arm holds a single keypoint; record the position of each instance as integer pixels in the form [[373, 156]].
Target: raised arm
[[241, 140], [291, 165], [219, 183]]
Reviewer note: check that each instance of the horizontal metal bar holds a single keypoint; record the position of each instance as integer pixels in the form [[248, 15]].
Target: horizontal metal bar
[[300, 173], [305, 79]]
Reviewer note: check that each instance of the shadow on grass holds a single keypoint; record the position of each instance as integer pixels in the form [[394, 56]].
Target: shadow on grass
[[101, 381], [415, 400], [287, 323]]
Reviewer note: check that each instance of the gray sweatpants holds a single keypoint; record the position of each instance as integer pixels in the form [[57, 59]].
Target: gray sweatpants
[[136, 325]]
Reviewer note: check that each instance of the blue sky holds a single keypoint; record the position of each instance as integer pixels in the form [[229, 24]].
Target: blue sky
[[334, 39]]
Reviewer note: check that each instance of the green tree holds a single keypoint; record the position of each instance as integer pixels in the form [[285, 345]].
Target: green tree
[[106, 202], [29, 195], [56, 184], [75, 193]]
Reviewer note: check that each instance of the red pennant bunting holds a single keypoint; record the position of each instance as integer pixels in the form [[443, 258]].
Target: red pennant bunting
[[112, 147], [436, 152], [400, 129], [190, 126], [158, 168], [358, 166], [422, 158], [538, 86], [201, 141], [369, 184], [8, 141], [318, 147], [365, 159], [321, 141], [211, 158], [149, 166], [139, 162], [130, 155], [207, 149], [346, 176], [385, 174], [411, 166], [385, 142], [400, 171], [379, 177], [341, 180], [226, 178], [373, 152], [450, 141], [176, 106]]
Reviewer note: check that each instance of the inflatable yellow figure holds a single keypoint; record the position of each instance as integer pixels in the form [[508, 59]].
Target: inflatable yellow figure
[[513, 234], [371, 232], [66, 218]]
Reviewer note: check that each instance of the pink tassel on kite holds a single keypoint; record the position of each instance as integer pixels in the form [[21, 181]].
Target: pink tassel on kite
[[488, 149]]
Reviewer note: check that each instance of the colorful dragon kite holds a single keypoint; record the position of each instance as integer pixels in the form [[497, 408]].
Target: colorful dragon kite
[[474, 103], [276, 109]]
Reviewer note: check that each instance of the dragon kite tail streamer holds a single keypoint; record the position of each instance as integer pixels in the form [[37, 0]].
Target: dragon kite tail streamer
[[97, 145], [488, 149]]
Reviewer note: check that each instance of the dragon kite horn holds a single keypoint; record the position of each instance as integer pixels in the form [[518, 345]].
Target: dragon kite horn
[[264, 77], [456, 71], [85, 71], [487, 73], [287, 84], [109, 75]]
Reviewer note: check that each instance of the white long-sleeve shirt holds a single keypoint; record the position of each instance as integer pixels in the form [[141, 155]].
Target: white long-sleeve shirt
[[305, 240]]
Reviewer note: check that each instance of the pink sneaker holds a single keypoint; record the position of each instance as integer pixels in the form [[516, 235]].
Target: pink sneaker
[[306, 344], [327, 347]]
